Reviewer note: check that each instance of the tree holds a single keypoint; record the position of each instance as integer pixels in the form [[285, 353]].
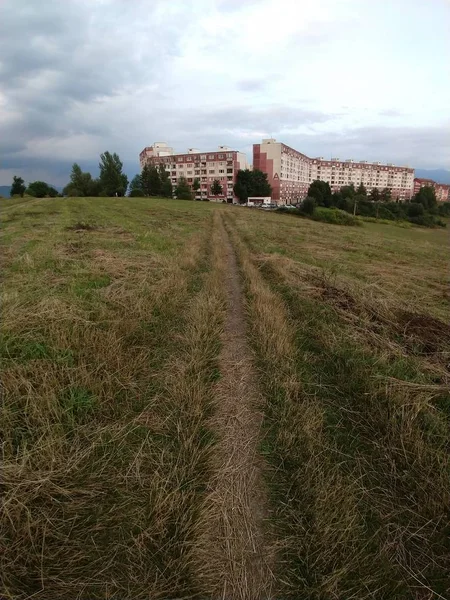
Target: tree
[[154, 181], [348, 191], [321, 192], [309, 205], [18, 187], [251, 183], [259, 187], [415, 209], [183, 189], [385, 195], [196, 185], [113, 180], [81, 184], [145, 179], [427, 197], [374, 195], [136, 186], [40, 189], [361, 191], [167, 189], [216, 188], [357, 199]]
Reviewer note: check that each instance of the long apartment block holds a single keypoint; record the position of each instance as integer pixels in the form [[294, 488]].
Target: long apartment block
[[290, 173], [221, 164]]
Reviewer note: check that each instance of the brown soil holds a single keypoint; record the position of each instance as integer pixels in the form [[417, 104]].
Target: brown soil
[[234, 558]]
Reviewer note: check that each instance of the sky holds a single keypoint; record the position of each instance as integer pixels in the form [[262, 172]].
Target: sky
[[359, 79]]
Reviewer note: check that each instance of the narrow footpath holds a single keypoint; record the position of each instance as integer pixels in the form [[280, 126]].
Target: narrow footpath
[[234, 557]]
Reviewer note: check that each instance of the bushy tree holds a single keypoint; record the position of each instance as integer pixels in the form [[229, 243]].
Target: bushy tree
[[183, 189], [361, 191], [136, 186], [196, 185], [251, 183], [166, 189], [321, 192], [216, 188], [113, 180], [374, 195], [427, 197], [385, 195], [145, 179], [348, 191], [308, 205], [40, 189], [81, 183], [415, 209], [154, 181], [18, 187]]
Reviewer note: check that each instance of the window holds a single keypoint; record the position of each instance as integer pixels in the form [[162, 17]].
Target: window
[[180, 166], [220, 155], [203, 171], [230, 155], [229, 170], [197, 172], [221, 171], [189, 158], [210, 156], [203, 157], [180, 159], [189, 172], [212, 171]]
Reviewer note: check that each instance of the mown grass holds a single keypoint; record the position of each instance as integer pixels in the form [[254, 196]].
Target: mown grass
[[358, 409], [112, 314], [111, 322]]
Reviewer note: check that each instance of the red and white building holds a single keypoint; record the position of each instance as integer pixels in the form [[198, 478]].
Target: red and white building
[[442, 190], [290, 173], [222, 164]]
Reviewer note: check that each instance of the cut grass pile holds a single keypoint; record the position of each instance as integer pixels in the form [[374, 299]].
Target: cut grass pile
[[112, 322]]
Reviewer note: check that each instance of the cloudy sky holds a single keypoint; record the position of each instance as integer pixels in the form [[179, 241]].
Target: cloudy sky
[[358, 79]]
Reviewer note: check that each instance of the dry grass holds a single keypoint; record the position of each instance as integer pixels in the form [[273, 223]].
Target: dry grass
[[357, 425], [109, 358], [128, 465]]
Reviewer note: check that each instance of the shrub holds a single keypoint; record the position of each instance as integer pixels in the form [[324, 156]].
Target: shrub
[[136, 194], [308, 205], [103, 194], [335, 216], [415, 209]]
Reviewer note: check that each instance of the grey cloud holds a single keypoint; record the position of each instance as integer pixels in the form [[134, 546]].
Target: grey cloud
[[103, 70], [251, 85], [424, 146]]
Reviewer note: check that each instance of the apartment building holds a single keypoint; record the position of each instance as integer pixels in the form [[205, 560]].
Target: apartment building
[[442, 190], [222, 164], [290, 173]]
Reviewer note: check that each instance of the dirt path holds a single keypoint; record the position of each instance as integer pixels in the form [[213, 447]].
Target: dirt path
[[235, 560]]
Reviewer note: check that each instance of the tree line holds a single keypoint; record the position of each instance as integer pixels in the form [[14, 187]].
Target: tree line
[[423, 208]]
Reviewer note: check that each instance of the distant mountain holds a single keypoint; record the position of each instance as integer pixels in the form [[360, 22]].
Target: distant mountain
[[438, 175]]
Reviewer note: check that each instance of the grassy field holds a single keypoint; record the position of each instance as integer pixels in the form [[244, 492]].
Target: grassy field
[[113, 319]]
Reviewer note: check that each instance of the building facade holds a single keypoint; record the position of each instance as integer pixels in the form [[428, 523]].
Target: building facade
[[290, 173], [222, 164], [442, 190]]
